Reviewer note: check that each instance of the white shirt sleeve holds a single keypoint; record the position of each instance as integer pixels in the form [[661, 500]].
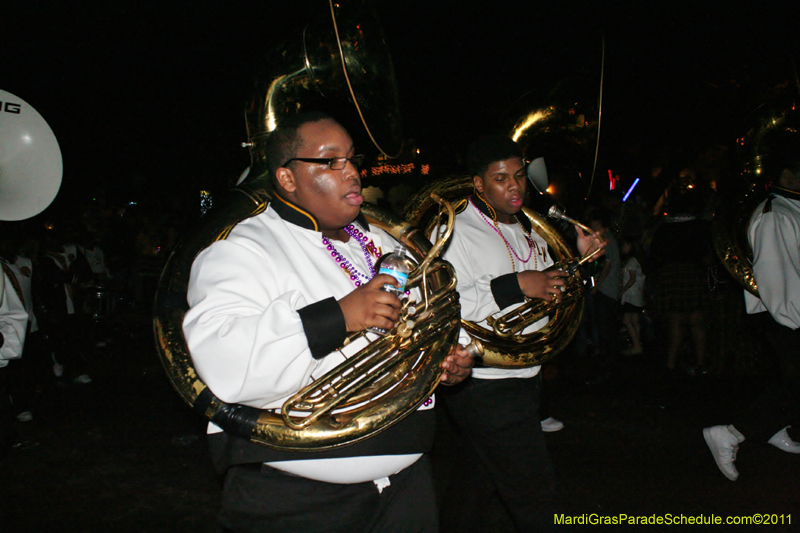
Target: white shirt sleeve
[[774, 237], [13, 323], [246, 339]]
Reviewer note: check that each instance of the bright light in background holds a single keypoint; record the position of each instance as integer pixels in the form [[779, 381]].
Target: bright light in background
[[630, 190], [530, 120], [612, 181], [206, 202], [405, 168]]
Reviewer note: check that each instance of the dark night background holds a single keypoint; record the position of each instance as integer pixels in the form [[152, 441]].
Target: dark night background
[[147, 102], [148, 98]]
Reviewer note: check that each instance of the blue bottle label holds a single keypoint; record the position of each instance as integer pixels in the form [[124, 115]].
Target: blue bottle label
[[401, 277]]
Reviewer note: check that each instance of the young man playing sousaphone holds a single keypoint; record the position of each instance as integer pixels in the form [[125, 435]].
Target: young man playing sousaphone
[[270, 307], [500, 261], [773, 232]]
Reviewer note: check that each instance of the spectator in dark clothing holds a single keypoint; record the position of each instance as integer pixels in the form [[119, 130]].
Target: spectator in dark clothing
[[680, 254], [608, 282], [58, 281]]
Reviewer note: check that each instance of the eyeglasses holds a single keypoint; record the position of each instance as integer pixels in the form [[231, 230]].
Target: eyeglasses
[[335, 163]]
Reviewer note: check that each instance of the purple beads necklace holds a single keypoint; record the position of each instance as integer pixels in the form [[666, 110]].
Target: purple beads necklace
[[509, 248], [367, 247]]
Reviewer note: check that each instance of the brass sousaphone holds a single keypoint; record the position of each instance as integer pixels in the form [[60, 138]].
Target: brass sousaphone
[[377, 387], [506, 345], [564, 130]]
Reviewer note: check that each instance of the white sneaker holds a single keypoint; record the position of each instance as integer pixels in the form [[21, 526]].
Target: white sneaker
[[25, 416], [784, 442], [723, 441], [83, 379], [551, 425]]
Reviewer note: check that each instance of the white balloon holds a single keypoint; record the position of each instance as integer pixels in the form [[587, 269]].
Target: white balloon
[[31, 167]]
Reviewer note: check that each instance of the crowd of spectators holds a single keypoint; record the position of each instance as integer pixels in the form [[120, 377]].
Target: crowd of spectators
[[676, 305], [87, 279]]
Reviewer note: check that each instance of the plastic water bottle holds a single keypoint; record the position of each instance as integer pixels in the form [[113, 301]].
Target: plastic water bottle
[[398, 265]]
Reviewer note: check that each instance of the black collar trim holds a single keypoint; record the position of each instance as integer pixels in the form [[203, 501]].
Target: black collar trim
[[295, 214], [362, 220], [298, 216], [484, 207], [786, 193]]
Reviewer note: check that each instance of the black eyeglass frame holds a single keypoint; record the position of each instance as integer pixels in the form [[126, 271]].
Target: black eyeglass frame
[[356, 160]]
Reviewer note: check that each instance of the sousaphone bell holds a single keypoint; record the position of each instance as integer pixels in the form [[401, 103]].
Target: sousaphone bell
[[341, 57]]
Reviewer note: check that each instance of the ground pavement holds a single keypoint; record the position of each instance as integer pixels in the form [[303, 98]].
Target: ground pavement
[[124, 453]]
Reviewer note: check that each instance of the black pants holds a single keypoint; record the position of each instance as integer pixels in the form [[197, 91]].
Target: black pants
[[500, 418], [8, 433], [28, 372], [260, 499], [779, 404], [67, 338], [606, 317]]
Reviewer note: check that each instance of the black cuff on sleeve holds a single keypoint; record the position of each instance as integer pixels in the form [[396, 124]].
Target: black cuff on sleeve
[[324, 325], [506, 291]]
